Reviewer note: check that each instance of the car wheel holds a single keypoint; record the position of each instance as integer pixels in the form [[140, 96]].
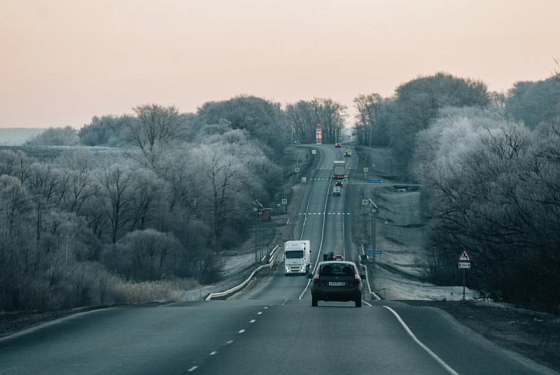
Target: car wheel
[[313, 302], [358, 302]]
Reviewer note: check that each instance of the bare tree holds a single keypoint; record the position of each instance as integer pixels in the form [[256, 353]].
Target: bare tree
[[154, 129], [222, 178], [303, 117], [118, 185], [368, 107]]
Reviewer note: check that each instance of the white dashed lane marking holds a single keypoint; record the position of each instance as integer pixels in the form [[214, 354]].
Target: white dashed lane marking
[[229, 342], [320, 213]]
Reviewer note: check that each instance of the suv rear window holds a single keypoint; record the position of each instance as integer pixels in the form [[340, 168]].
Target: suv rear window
[[337, 269]]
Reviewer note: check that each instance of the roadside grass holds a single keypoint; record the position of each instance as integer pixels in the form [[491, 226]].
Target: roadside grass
[[152, 291]]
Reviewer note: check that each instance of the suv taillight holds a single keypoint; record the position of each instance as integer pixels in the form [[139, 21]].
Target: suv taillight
[[357, 278]]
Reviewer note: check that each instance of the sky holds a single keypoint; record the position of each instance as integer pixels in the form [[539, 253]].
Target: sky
[[65, 61]]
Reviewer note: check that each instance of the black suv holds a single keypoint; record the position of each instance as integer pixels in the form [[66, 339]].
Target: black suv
[[336, 281]]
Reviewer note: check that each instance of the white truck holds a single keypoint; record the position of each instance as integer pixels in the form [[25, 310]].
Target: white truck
[[297, 257], [339, 170]]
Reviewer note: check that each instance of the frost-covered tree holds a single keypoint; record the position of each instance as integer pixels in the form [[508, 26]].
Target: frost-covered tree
[[224, 180], [418, 102], [146, 255], [262, 119], [66, 136], [154, 129], [493, 189], [105, 131], [534, 102]]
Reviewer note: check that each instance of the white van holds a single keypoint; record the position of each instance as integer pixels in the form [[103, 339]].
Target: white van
[[297, 257]]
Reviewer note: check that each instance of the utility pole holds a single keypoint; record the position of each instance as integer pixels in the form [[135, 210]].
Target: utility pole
[[257, 208]]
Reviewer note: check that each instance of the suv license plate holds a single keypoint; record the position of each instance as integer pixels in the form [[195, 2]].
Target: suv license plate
[[337, 283]]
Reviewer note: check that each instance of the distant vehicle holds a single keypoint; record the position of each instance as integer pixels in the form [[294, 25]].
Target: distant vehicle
[[339, 183], [328, 256], [297, 257], [337, 145], [347, 153], [337, 190], [339, 257], [336, 281], [339, 170]]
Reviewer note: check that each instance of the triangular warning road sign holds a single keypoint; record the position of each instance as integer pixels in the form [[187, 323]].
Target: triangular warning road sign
[[464, 257]]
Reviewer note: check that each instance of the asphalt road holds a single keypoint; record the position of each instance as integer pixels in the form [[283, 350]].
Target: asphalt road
[[269, 329]]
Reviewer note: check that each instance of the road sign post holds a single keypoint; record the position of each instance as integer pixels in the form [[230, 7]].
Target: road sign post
[[284, 204], [464, 264]]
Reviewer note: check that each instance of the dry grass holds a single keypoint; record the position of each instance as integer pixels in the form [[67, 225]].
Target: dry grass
[[152, 291]]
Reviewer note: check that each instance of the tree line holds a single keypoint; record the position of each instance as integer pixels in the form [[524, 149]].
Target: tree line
[[174, 190], [490, 165]]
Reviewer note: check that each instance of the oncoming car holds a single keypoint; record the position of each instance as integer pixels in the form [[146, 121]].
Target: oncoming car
[[336, 281], [337, 145]]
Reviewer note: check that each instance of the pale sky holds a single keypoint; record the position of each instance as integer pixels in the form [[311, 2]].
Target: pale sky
[[65, 61]]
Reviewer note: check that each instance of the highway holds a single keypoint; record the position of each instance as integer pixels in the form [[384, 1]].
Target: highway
[[270, 328]]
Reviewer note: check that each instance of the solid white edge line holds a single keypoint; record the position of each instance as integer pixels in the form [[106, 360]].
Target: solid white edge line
[[367, 303], [432, 354]]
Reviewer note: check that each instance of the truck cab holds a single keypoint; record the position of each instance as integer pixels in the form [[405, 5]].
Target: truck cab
[[297, 257]]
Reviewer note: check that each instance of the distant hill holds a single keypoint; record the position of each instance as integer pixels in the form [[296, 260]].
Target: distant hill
[[17, 136]]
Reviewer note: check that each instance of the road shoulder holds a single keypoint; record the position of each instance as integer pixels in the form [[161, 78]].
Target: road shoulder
[[523, 333]]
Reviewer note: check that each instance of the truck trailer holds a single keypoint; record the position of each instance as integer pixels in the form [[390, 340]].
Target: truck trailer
[[339, 170]]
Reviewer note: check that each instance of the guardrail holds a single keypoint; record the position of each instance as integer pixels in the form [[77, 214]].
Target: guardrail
[[373, 294], [273, 254]]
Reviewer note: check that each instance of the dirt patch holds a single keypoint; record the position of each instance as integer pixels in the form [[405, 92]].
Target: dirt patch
[[532, 334]]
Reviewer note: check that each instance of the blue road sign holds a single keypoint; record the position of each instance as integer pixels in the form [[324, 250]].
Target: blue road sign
[[375, 181], [374, 252]]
